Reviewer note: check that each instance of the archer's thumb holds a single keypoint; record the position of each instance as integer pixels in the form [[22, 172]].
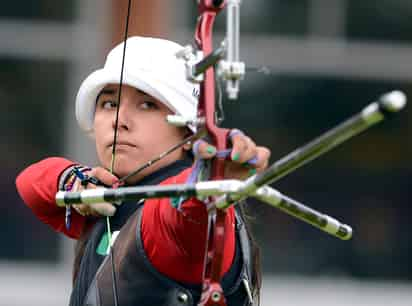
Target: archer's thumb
[[104, 209]]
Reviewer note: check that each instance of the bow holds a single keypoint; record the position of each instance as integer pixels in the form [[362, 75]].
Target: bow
[[220, 193], [212, 292]]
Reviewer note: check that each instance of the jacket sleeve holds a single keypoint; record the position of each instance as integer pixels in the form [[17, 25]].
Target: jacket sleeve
[[174, 240], [37, 186]]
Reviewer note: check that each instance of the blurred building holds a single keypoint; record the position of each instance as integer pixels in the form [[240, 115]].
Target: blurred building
[[311, 64]]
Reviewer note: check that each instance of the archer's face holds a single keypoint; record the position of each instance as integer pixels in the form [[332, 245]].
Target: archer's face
[[142, 133]]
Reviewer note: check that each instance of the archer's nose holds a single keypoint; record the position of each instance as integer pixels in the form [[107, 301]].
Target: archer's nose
[[122, 118]]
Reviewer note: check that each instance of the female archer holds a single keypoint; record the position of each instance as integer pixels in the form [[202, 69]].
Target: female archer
[[158, 254]]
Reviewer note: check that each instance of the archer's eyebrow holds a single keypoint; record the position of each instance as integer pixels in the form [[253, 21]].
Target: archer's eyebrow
[[105, 91], [113, 91], [108, 91], [143, 93]]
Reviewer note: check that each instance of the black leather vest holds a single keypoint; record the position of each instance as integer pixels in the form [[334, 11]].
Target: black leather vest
[[140, 284]]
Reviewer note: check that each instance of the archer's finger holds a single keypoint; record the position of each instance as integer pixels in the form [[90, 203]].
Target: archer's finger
[[82, 209], [203, 149], [262, 159], [243, 148], [103, 175], [103, 209]]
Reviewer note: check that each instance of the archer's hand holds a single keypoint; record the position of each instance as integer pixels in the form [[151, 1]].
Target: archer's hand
[[246, 158], [98, 209]]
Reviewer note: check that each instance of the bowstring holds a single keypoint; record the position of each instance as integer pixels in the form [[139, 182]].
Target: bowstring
[[109, 232]]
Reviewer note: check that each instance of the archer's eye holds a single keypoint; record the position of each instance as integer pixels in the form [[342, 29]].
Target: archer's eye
[[149, 105], [108, 104]]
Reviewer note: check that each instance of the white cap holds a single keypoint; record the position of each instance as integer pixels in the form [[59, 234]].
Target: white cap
[[151, 66]]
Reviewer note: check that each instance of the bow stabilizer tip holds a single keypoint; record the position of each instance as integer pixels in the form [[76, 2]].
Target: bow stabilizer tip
[[393, 101]]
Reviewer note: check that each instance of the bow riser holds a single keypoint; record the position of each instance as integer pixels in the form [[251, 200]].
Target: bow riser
[[212, 293]]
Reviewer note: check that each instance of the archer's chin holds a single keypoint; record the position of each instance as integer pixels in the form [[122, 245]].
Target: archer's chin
[[123, 165]]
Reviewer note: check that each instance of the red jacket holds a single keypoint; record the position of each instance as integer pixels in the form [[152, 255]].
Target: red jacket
[[174, 241]]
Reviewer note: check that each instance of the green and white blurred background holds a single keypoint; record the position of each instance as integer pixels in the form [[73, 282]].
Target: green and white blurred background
[[326, 58]]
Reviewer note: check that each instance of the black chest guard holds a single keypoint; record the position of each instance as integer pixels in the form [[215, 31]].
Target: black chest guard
[[140, 284]]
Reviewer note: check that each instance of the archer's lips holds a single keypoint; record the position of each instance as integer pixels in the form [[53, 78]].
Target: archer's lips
[[120, 144]]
